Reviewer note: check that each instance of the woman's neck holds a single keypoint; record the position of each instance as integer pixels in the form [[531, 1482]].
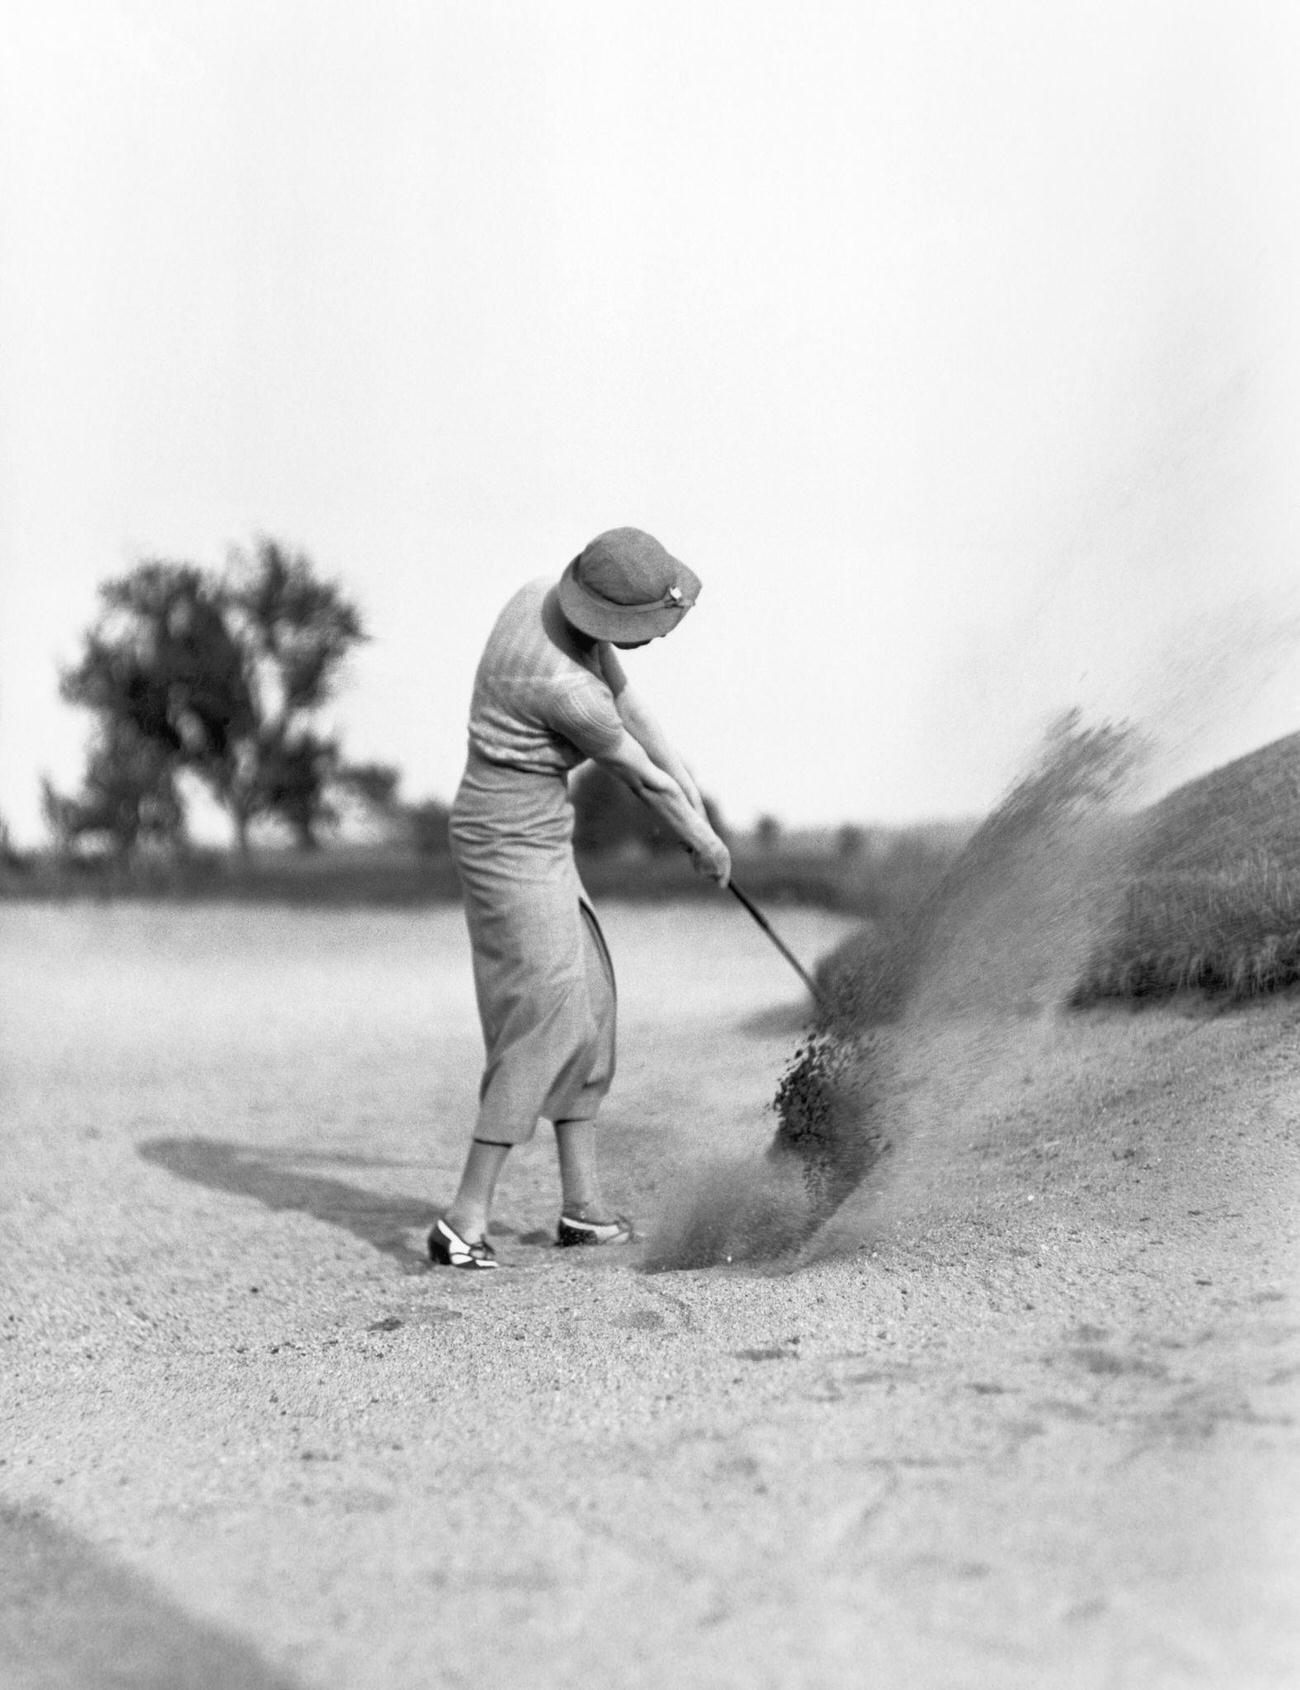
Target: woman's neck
[[562, 631]]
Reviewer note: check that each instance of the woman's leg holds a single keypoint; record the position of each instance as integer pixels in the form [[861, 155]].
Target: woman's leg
[[581, 1197], [472, 1204]]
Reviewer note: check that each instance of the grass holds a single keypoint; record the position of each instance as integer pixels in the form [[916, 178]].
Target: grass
[[1212, 903], [1247, 810], [1233, 931]]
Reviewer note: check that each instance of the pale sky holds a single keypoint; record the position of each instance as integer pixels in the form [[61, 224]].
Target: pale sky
[[953, 345]]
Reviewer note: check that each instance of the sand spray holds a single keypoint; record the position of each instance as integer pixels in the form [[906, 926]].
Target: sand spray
[[935, 1012]]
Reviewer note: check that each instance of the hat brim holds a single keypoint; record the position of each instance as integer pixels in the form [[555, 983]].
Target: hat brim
[[601, 619]]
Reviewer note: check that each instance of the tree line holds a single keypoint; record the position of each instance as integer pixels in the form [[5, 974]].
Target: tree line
[[220, 676]]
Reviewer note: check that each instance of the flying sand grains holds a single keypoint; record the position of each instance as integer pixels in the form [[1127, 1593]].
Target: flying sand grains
[[929, 1017]]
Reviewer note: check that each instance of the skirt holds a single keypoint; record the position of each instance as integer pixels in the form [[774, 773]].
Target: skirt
[[542, 971]]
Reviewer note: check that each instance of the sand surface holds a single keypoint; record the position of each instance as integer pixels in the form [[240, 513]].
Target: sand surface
[[1025, 1416]]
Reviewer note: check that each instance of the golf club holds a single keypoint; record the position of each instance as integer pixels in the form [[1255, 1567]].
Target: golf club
[[780, 944]]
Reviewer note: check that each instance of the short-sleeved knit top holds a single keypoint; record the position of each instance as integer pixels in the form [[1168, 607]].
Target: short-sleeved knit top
[[543, 702]]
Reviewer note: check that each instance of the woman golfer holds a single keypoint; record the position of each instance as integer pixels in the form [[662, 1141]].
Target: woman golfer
[[549, 693]]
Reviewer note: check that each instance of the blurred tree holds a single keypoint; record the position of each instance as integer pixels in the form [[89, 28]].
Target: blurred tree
[[128, 796], [163, 660], [767, 833], [427, 825], [374, 785], [163, 668], [295, 776], [222, 675], [10, 855], [375, 788], [296, 632]]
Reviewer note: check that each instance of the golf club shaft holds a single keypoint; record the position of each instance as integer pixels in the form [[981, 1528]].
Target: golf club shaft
[[780, 944]]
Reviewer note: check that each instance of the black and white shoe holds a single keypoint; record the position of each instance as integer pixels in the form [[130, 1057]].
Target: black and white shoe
[[449, 1249], [573, 1231]]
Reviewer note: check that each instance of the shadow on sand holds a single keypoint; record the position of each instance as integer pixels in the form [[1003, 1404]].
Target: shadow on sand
[[276, 1178], [71, 1617], [781, 1021]]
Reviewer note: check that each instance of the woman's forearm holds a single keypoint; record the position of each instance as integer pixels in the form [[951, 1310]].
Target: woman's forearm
[[645, 729], [673, 806], [668, 800], [660, 791]]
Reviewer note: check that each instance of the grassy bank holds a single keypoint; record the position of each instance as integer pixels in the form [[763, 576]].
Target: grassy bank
[[1213, 898], [1205, 896], [1233, 931]]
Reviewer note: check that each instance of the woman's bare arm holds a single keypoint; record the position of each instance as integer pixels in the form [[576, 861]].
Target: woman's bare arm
[[642, 724], [665, 795]]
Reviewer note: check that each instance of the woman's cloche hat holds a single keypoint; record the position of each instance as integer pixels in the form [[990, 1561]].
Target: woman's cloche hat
[[625, 586]]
